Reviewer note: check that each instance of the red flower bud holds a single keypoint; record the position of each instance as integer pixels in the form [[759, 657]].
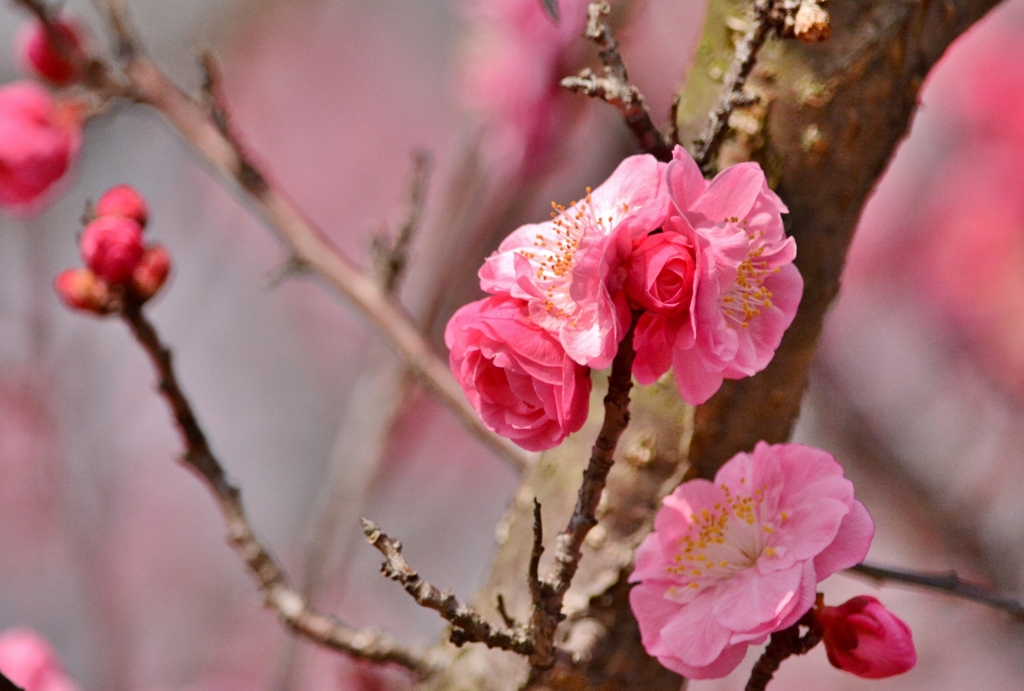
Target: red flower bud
[[82, 289], [112, 247], [39, 56], [864, 638], [151, 271], [123, 200]]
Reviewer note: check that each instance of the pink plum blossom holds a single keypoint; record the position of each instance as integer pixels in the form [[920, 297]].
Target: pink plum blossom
[[570, 269], [748, 288], [123, 200], [29, 661], [864, 638], [39, 139], [731, 561], [516, 375]]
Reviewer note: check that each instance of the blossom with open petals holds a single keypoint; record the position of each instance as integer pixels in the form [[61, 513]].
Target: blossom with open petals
[[749, 289], [515, 374], [731, 561], [570, 269], [864, 638]]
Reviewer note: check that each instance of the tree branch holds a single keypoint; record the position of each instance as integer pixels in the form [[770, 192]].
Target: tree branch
[[549, 594], [783, 644], [208, 131], [278, 593], [391, 257], [803, 19], [468, 625], [949, 583], [615, 87]]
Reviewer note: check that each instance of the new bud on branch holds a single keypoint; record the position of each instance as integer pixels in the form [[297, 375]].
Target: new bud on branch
[[864, 638], [118, 264], [39, 55]]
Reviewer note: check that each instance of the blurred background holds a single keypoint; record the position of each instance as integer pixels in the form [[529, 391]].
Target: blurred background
[[117, 555]]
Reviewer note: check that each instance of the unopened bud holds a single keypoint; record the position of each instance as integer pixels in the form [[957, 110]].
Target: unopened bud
[[151, 272], [123, 200], [39, 55], [112, 247], [83, 290]]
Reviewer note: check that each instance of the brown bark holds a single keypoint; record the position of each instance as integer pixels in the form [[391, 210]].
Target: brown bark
[[836, 112]]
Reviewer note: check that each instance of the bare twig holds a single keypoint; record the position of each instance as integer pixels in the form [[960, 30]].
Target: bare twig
[[221, 149], [278, 593], [468, 625], [802, 19], [615, 87], [949, 583], [783, 644], [549, 594], [392, 257]]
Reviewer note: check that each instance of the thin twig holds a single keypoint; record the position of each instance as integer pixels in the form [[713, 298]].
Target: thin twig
[[467, 624], [278, 593], [392, 257], [615, 87], [949, 583], [802, 19], [307, 244], [783, 644], [549, 594]]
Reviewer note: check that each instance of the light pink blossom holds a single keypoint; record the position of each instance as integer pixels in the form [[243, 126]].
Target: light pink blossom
[[516, 375], [39, 139], [748, 289], [570, 269], [29, 661], [864, 638], [731, 561]]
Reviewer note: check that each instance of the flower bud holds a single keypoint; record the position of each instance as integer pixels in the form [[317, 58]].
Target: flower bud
[[151, 272], [112, 247], [661, 273], [39, 56], [123, 200], [83, 290], [864, 638]]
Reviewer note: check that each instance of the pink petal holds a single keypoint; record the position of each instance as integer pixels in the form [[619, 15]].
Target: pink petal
[[850, 545], [750, 599], [731, 194]]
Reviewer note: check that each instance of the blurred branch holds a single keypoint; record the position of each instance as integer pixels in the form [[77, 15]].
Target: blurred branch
[[392, 257], [803, 19], [468, 625], [208, 130], [551, 6], [279, 595], [7, 685], [615, 87], [949, 583]]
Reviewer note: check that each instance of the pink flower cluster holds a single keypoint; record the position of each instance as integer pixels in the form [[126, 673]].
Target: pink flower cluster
[[29, 661], [706, 266], [118, 263], [731, 561]]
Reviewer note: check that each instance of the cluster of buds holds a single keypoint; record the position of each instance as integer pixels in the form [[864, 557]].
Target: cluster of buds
[[119, 267]]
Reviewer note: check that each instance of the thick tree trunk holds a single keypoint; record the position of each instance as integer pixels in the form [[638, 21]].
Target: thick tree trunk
[[836, 112]]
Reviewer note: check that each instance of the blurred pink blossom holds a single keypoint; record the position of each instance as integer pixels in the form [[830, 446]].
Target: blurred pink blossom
[[39, 140], [38, 56], [730, 562], [517, 376], [747, 294], [29, 661], [569, 269], [123, 200], [864, 638], [112, 247]]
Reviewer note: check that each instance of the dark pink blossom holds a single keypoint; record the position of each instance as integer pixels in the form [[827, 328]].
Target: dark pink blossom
[[864, 638], [29, 661], [748, 289], [515, 374], [38, 55], [123, 200], [112, 247], [39, 139], [570, 269], [731, 561]]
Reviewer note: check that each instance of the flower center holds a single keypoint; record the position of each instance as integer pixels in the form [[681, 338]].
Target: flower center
[[723, 540], [748, 296]]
